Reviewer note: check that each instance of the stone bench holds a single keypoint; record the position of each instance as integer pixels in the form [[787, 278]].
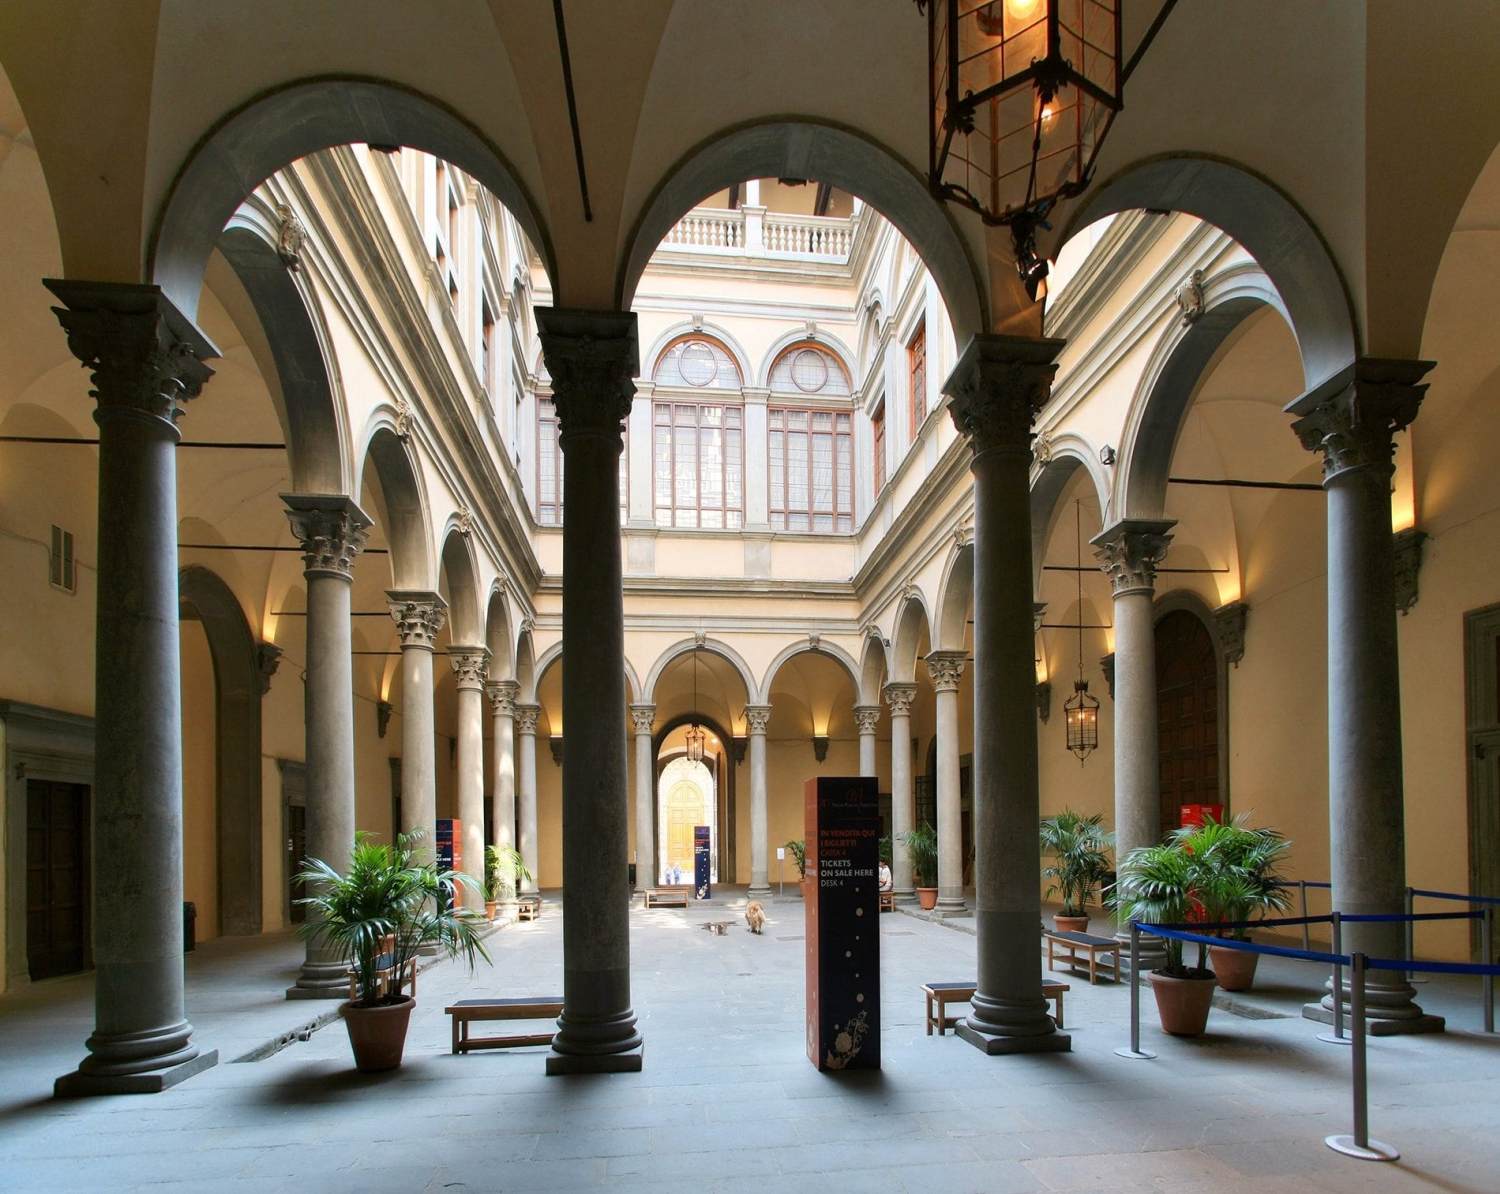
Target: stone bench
[[1080, 945], [531, 1007], [938, 996]]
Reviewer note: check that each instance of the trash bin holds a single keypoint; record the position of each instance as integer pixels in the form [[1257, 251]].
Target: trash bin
[[189, 926]]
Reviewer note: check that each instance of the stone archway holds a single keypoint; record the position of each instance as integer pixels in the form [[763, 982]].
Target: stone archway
[[237, 694], [687, 796]]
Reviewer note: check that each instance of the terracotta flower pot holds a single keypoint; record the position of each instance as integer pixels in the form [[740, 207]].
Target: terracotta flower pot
[[927, 898], [1183, 1003], [378, 1034], [1070, 924], [1235, 968], [489, 909]]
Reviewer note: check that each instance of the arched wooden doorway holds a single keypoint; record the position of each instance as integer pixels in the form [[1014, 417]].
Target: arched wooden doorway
[[1187, 714]]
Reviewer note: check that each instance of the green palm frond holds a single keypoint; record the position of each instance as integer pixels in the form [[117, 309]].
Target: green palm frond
[[1079, 848]]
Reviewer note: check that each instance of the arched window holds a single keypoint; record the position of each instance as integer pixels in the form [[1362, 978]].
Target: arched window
[[697, 362], [809, 369]]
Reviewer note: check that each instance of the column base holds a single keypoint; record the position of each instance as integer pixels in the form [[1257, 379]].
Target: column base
[[1153, 954], [950, 906], [629, 1062], [994, 1044], [320, 981], [906, 895], [762, 892], [79, 1083], [1378, 1021]]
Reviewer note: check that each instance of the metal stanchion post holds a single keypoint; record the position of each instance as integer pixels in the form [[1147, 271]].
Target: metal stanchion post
[[1306, 941], [1487, 956], [1360, 1145], [1135, 1050], [1411, 933], [1337, 1037]]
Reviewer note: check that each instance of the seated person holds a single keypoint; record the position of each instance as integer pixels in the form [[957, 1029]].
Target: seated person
[[886, 882]]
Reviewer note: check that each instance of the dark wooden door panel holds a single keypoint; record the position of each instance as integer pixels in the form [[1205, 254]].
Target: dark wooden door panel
[[1187, 715], [57, 878]]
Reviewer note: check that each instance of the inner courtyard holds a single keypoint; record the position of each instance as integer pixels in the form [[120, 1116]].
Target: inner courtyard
[[460, 486]]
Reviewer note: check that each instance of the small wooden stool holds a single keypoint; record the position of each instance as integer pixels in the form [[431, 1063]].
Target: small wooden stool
[[887, 901], [531, 1007], [528, 907], [939, 995]]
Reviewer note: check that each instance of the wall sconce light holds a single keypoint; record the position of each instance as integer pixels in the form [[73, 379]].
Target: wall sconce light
[[820, 747], [555, 742], [1044, 700], [383, 711]]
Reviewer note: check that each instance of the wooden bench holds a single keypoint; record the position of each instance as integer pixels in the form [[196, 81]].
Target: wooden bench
[[531, 1007], [668, 897], [528, 907], [1080, 944], [887, 901], [939, 995]]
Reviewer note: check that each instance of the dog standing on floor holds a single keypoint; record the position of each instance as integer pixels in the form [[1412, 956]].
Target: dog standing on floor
[[755, 916]]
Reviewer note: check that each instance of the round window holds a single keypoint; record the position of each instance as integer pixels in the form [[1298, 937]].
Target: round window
[[809, 371], [696, 363]]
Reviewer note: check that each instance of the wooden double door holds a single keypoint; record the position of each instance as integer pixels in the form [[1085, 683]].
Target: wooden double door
[[57, 878], [1187, 715]]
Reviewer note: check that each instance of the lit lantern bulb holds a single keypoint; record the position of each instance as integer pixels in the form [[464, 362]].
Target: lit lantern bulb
[[1021, 12]]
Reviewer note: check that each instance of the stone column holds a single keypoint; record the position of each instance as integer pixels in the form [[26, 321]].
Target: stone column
[[903, 812], [419, 615], [757, 717], [946, 668], [469, 665], [526, 716], [593, 356], [1128, 553], [502, 695], [1350, 420], [998, 385], [867, 721], [641, 717], [145, 360], [332, 531]]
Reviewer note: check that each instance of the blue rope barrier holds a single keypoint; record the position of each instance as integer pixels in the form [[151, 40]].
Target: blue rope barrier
[[1376, 918], [1453, 895], [1433, 967], [1279, 951], [1190, 926]]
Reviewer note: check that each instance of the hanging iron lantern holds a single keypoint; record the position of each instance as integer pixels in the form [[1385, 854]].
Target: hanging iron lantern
[[1022, 95], [694, 735], [1083, 720]]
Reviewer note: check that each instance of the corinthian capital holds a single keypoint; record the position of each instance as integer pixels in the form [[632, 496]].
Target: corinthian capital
[[419, 615], [144, 356], [757, 717], [331, 529], [1352, 416], [470, 664], [866, 718], [642, 717], [593, 357], [946, 669], [526, 716], [502, 694], [997, 387], [1129, 551], [899, 697]]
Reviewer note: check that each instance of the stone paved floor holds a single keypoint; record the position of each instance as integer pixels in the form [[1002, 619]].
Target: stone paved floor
[[728, 1102]]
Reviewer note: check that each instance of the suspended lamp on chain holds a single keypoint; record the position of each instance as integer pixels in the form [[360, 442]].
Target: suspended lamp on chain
[[1081, 709], [695, 735], [1022, 94]]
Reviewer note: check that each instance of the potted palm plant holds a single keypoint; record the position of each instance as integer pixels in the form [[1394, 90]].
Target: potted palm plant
[[921, 844], [1235, 879], [1078, 846], [1155, 886], [503, 869], [377, 914], [798, 850]]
